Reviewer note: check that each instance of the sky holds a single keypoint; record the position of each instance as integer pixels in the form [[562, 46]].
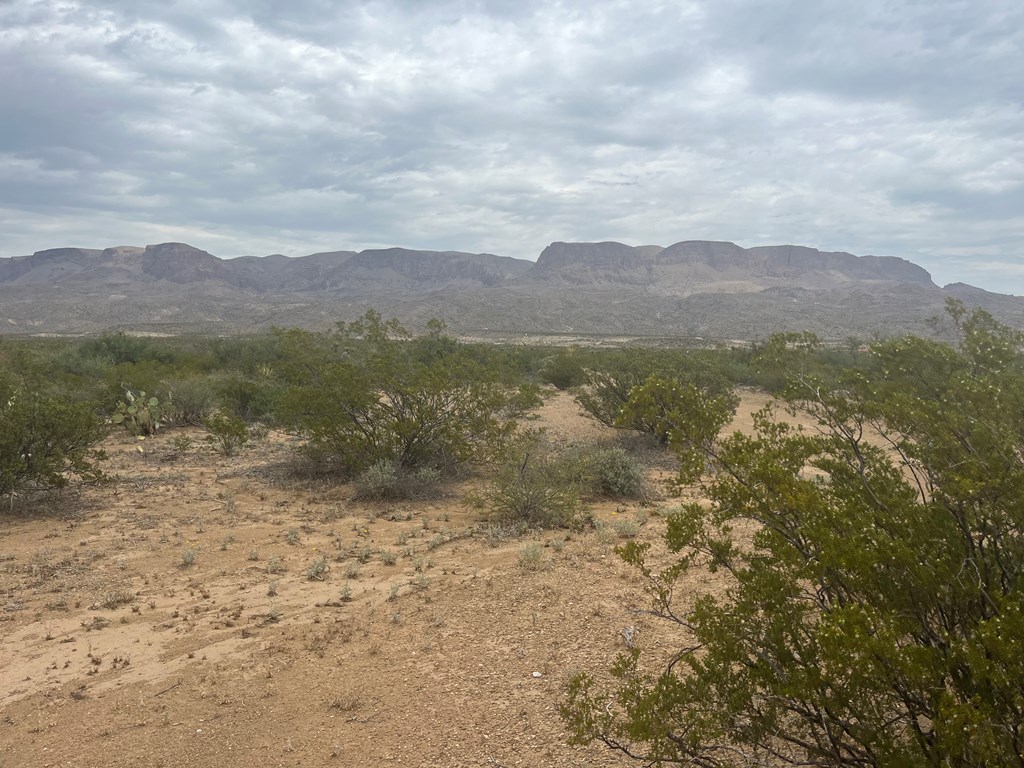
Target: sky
[[251, 127]]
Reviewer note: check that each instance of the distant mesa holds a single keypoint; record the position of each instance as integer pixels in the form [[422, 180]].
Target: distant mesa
[[709, 262], [687, 263], [694, 288]]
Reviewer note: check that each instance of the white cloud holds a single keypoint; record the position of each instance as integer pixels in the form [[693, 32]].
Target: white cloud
[[499, 126]]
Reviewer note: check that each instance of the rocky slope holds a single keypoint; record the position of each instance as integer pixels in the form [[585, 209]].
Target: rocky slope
[[712, 290]]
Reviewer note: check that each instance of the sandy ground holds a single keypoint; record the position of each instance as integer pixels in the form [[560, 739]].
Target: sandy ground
[[170, 619]]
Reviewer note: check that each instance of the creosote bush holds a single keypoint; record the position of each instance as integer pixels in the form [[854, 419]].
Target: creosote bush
[[611, 382], [369, 393], [228, 434], [46, 442]]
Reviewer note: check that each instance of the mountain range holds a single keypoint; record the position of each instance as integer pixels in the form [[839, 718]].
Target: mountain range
[[713, 290]]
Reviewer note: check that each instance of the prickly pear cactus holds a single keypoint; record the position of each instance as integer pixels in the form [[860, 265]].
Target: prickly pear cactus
[[139, 414]]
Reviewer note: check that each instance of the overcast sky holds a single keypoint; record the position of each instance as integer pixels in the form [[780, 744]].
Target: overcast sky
[[261, 126]]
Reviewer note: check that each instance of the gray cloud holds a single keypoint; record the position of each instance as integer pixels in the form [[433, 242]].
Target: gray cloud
[[255, 127]]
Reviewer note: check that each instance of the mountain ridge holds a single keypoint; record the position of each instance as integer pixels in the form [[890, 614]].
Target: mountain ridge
[[712, 289]]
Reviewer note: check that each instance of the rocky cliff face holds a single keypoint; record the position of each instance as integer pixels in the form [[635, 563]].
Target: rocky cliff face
[[702, 262], [432, 269], [559, 257], [46, 266], [181, 263]]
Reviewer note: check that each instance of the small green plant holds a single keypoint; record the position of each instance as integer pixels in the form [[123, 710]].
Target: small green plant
[[393, 593], [531, 557], [318, 569], [384, 480], [254, 555], [272, 588], [352, 571], [228, 434], [274, 565], [533, 487], [116, 598], [138, 413], [606, 534], [346, 593], [292, 537], [626, 528], [188, 557], [388, 557], [181, 444]]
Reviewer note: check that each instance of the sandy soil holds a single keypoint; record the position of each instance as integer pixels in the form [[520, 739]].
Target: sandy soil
[[425, 644]]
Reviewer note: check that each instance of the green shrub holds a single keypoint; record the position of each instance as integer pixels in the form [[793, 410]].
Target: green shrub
[[367, 393], [683, 416], [228, 434], [610, 472], [252, 400], [564, 370], [46, 442], [187, 401], [534, 487], [609, 385]]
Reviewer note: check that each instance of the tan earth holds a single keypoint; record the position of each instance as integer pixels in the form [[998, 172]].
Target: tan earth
[[426, 643]]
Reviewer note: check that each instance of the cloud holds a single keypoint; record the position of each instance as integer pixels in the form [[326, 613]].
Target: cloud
[[255, 127]]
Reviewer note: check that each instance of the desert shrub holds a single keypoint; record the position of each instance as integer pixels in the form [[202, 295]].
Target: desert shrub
[[385, 480], [874, 616], [252, 400], [564, 370], [120, 348], [531, 557], [533, 486], [681, 415], [606, 471], [318, 570], [608, 386], [228, 434], [368, 393], [625, 527], [187, 401], [45, 441]]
